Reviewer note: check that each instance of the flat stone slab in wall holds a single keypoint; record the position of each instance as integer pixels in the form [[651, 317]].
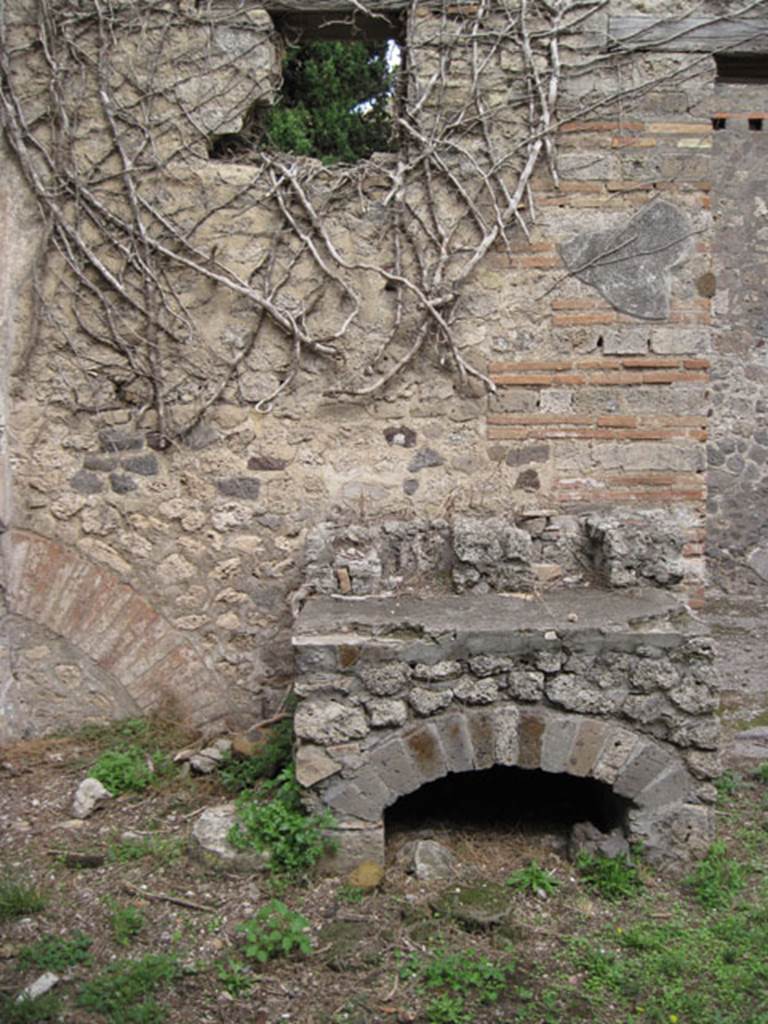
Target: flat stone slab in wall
[[397, 692]]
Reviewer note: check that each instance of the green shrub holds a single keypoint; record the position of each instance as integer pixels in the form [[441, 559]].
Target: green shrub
[[614, 878], [294, 840], [124, 991], [123, 771], [235, 977], [54, 953], [274, 931], [29, 1011], [533, 879], [126, 922], [717, 878], [17, 899], [238, 774], [761, 772]]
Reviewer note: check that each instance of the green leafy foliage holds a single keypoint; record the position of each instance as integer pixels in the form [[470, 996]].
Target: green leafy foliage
[[124, 992], [271, 819], [17, 899], [275, 930], [718, 878], [123, 771], [761, 772], [335, 102], [727, 785], [54, 953], [454, 980], [614, 878], [235, 977], [29, 1011], [126, 922], [533, 879], [238, 774]]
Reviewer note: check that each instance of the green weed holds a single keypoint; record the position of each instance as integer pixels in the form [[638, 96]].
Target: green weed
[[613, 878], [351, 893], [124, 993], [274, 931], [17, 899], [126, 922], [761, 772], [533, 879], [54, 953], [238, 774], [718, 878], [294, 840], [235, 977], [164, 849], [727, 786], [123, 771], [30, 1011], [454, 981]]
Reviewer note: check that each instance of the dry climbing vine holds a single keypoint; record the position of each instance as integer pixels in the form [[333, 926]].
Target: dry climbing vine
[[106, 105]]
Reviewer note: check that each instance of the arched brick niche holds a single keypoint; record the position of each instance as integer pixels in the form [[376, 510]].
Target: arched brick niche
[[110, 628], [397, 693]]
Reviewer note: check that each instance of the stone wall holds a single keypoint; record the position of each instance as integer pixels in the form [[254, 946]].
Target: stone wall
[[593, 442]]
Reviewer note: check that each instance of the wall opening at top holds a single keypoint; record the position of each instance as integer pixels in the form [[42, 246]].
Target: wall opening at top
[[508, 801], [341, 91]]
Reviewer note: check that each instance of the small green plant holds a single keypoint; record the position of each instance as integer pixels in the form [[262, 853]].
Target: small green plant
[[294, 840], [30, 1011], [123, 771], [534, 879], [727, 785], [235, 977], [126, 922], [124, 992], [275, 930], [242, 773], [717, 878], [54, 953], [164, 849], [350, 893], [17, 899], [761, 772], [453, 980], [614, 878]]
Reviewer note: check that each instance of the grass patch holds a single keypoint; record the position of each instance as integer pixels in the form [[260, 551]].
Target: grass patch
[[533, 879], [717, 879], [456, 983], [126, 921], [29, 1011], [124, 993], [163, 849], [17, 899], [613, 878], [56, 953]]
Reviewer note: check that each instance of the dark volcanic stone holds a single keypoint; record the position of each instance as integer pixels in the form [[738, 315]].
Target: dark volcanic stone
[[144, 465], [244, 487], [527, 453], [411, 485], [266, 463], [425, 458], [100, 463], [528, 480], [122, 483], [86, 483]]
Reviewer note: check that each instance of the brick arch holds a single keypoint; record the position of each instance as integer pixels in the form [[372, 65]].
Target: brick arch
[[112, 624], [653, 780]]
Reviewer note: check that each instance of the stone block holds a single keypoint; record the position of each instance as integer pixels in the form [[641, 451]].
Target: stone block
[[395, 765], [557, 742], [506, 723], [352, 847], [525, 684], [671, 786], [456, 742], [617, 751], [364, 798], [386, 679], [327, 721], [427, 752], [483, 738], [438, 672], [313, 765], [530, 734], [469, 690], [384, 711], [647, 764], [426, 702]]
